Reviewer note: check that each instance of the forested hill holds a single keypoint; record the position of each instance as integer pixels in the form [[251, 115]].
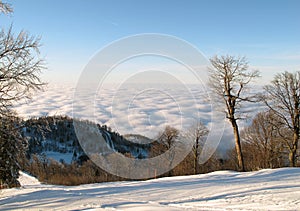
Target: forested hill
[[54, 136]]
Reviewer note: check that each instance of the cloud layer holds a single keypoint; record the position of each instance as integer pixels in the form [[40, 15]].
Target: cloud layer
[[138, 109]]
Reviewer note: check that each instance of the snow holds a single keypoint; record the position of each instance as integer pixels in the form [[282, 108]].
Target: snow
[[66, 157], [27, 180], [277, 189]]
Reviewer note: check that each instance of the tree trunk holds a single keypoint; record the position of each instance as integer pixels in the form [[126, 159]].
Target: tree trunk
[[196, 156], [293, 151], [195, 166], [292, 158], [195, 163], [238, 146]]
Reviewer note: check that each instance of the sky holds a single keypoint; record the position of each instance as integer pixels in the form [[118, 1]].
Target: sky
[[73, 31]]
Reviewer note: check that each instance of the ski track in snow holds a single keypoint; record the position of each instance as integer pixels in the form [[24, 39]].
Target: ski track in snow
[[277, 189]]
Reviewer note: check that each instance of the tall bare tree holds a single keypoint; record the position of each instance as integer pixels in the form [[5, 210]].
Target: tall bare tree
[[229, 78], [283, 98], [20, 67]]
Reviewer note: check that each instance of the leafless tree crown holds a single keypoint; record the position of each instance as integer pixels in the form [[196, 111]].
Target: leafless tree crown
[[229, 77], [20, 67]]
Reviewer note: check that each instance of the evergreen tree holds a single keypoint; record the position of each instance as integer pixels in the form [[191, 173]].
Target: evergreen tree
[[12, 147]]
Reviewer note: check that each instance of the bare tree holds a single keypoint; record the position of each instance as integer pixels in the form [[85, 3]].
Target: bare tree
[[283, 98], [169, 138], [20, 67], [261, 142], [229, 78], [197, 134]]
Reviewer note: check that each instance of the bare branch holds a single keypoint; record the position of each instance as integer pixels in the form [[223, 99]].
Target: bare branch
[[20, 67], [5, 8], [283, 98], [229, 79]]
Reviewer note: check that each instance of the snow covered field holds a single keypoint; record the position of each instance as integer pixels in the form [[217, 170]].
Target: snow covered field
[[277, 189]]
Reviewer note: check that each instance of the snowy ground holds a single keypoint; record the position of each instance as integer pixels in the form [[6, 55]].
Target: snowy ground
[[263, 190], [66, 157]]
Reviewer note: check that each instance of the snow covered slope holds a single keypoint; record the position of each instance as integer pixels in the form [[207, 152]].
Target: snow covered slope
[[263, 190], [27, 180]]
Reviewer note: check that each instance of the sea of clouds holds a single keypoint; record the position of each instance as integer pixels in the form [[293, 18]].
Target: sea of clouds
[[131, 109]]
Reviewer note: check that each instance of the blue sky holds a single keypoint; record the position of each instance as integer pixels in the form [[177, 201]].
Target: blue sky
[[72, 31]]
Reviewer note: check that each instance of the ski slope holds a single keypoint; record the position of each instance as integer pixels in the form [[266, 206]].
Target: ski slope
[[224, 190]]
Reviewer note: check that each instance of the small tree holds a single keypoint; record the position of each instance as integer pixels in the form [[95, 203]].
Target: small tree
[[229, 78], [283, 99], [20, 67], [197, 133], [168, 138], [261, 142]]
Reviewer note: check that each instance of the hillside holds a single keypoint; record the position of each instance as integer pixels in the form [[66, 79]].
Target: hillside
[[277, 189], [54, 152], [54, 137]]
